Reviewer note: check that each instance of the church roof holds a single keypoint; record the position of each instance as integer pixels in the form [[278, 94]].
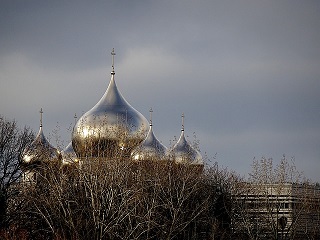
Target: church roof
[[151, 148], [69, 155], [183, 152], [111, 119], [40, 149]]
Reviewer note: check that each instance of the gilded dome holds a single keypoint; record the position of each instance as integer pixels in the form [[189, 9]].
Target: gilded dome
[[69, 155], [151, 148], [183, 152], [40, 149], [112, 126]]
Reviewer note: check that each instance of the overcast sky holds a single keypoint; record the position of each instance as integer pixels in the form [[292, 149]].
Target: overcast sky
[[245, 73]]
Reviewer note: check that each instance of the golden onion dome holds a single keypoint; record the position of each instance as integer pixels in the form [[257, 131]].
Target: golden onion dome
[[40, 150], [183, 152], [111, 127], [69, 155], [151, 148]]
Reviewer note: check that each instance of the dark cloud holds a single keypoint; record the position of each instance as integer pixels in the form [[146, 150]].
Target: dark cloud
[[245, 73]]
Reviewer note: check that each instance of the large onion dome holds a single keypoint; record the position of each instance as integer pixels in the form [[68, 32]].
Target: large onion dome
[[150, 148], [40, 150], [111, 127], [69, 155], [183, 152]]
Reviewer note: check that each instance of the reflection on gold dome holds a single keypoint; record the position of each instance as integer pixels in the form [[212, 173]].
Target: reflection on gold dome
[[40, 150], [182, 152], [150, 148], [112, 126]]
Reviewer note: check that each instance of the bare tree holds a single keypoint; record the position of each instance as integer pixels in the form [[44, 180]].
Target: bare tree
[[173, 194], [13, 141], [121, 199], [274, 203], [107, 195]]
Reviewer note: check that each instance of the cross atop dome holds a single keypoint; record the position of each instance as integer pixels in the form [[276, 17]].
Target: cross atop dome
[[113, 54], [41, 117], [182, 117], [150, 111]]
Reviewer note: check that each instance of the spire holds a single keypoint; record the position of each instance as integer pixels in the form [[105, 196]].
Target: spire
[[75, 118], [183, 152], [41, 117], [150, 111], [40, 148], [113, 54], [182, 117], [75, 121], [151, 148]]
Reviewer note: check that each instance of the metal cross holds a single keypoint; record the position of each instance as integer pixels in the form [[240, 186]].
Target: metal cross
[[75, 118], [113, 54], [41, 117], [151, 111], [182, 116]]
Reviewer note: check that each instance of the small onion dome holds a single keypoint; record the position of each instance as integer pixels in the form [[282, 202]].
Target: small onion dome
[[183, 152], [69, 155], [39, 150], [150, 148], [110, 127]]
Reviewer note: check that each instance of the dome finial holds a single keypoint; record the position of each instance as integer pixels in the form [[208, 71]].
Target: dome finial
[[75, 118], [150, 111], [75, 121], [182, 117], [41, 117], [113, 54]]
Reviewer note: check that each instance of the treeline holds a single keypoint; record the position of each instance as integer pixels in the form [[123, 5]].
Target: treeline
[[119, 199], [122, 199]]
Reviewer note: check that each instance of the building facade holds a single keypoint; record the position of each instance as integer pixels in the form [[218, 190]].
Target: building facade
[[277, 211]]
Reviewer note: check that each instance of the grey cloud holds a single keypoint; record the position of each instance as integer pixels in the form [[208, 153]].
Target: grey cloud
[[245, 73]]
